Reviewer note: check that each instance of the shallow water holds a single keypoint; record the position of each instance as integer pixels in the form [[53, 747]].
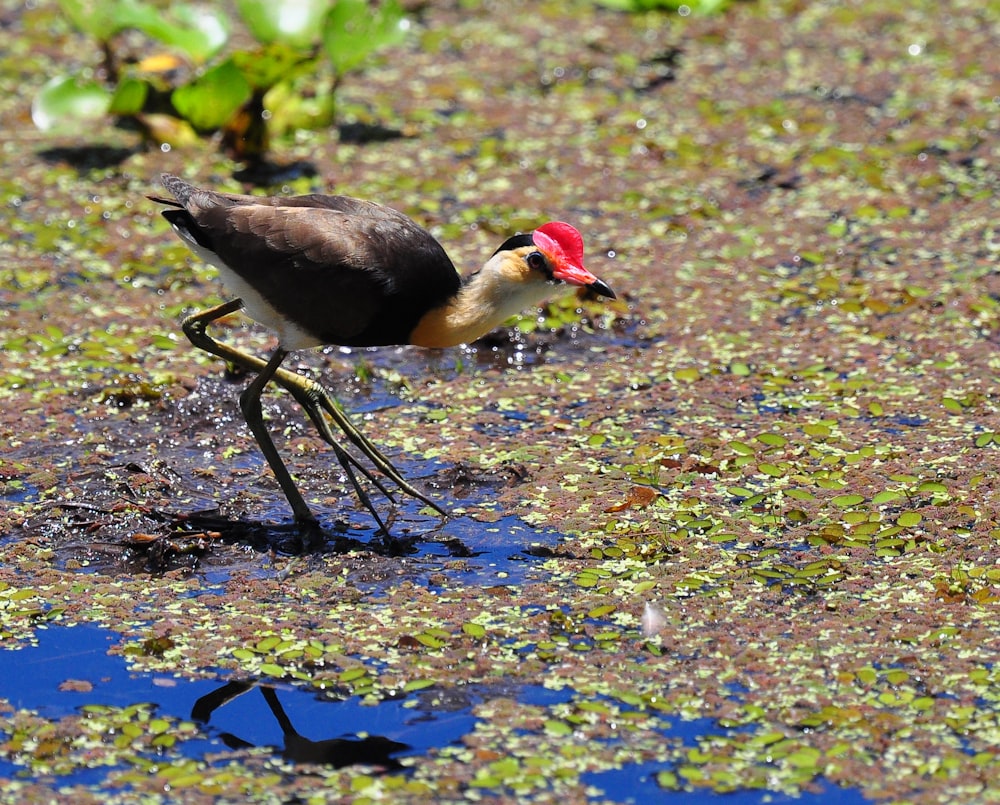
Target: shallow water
[[410, 725]]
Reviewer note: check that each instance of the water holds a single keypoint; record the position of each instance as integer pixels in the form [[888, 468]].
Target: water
[[301, 724]]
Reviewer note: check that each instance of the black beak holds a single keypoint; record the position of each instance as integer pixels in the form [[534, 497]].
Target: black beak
[[601, 288]]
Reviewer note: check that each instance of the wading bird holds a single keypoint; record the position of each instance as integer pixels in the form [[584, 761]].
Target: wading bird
[[322, 270]]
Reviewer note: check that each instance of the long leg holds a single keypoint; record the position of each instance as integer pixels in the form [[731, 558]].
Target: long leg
[[314, 399], [250, 403], [194, 327]]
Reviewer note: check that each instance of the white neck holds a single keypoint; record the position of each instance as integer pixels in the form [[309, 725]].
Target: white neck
[[488, 298]]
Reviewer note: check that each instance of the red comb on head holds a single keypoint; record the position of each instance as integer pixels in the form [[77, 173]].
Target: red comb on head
[[564, 247], [560, 237]]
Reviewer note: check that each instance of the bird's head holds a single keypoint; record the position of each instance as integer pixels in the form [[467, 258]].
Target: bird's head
[[553, 253], [524, 271]]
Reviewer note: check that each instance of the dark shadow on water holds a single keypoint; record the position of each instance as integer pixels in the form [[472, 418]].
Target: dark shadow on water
[[87, 156]]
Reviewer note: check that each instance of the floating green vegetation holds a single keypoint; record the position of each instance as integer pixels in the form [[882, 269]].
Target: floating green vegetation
[[132, 736], [285, 82]]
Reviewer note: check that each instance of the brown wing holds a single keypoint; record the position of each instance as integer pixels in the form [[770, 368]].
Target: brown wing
[[348, 271]]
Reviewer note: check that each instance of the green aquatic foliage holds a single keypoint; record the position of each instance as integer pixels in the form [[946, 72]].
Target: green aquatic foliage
[[284, 81], [353, 31]]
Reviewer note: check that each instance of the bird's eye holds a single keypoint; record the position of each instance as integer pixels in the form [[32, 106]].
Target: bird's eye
[[536, 261]]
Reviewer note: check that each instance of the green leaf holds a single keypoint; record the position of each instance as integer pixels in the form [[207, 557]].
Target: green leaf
[[275, 63], [354, 31], [67, 101], [351, 674], [99, 19], [267, 644], [213, 98], [688, 374], [843, 501], [800, 494], [198, 31], [293, 22], [558, 728], [129, 97], [932, 486]]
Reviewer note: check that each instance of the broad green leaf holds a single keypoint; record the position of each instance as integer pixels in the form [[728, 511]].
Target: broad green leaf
[[276, 63], [67, 101], [198, 31], [129, 97], [213, 98], [354, 31], [985, 439], [98, 18], [298, 23], [843, 501]]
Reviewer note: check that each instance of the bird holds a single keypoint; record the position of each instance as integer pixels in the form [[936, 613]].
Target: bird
[[336, 270]]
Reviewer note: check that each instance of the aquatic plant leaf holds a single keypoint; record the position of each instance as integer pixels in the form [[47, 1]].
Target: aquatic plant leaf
[[67, 101], [129, 97], [293, 22], [213, 98], [100, 20], [198, 31], [354, 31]]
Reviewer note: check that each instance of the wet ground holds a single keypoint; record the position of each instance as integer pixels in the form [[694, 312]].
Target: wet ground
[[733, 535]]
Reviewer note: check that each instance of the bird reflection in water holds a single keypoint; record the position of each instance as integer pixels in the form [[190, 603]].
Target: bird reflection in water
[[375, 750]]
